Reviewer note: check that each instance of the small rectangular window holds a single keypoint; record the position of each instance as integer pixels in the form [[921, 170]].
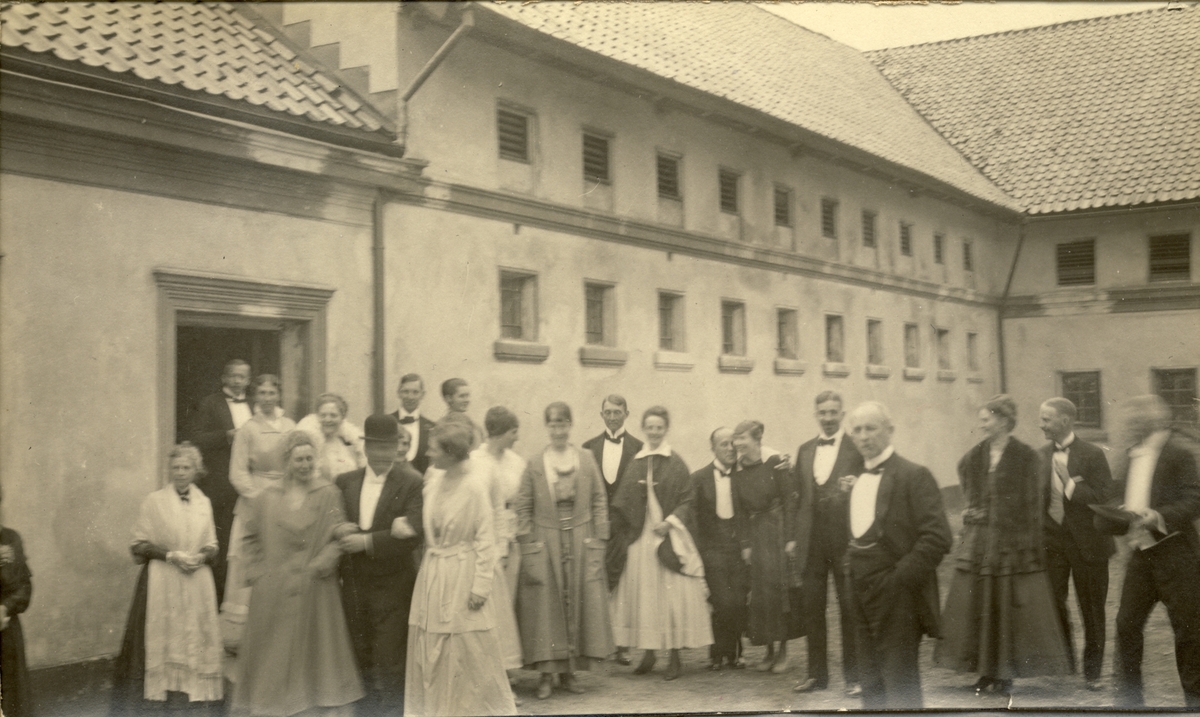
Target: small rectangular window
[[729, 191], [973, 351], [1076, 262], [968, 260], [787, 333], [513, 131], [670, 321], [1171, 258], [943, 349], [912, 346], [518, 306], [595, 159], [905, 239], [1083, 389], [868, 228], [829, 218], [783, 206], [668, 176], [835, 351], [1177, 386], [733, 328], [939, 248], [874, 342], [599, 314]]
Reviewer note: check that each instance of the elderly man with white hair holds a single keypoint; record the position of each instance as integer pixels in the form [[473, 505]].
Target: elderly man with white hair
[[899, 534]]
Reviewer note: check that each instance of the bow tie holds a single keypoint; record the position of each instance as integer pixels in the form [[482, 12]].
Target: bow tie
[[185, 496], [1060, 449], [608, 437], [877, 470], [826, 441], [231, 399], [407, 420], [724, 473]]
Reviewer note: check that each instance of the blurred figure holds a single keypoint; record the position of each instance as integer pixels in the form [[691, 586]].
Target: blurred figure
[[16, 588], [457, 395], [411, 392], [339, 442]]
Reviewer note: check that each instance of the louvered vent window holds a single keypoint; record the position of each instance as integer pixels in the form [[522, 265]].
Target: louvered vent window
[[905, 239], [939, 248], [1077, 262], [513, 130], [729, 191], [868, 228], [668, 177], [1171, 257], [783, 207], [595, 159], [829, 218]]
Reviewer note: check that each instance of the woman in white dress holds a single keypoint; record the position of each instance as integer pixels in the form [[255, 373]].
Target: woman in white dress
[[661, 599], [339, 442]]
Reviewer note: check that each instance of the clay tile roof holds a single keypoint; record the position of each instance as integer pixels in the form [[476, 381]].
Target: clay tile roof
[[1094, 113], [201, 49], [762, 61]]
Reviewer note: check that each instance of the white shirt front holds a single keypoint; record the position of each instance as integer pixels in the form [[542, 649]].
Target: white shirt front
[[1143, 459], [368, 499], [238, 410], [724, 490], [864, 494], [414, 430], [611, 463], [826, 456]]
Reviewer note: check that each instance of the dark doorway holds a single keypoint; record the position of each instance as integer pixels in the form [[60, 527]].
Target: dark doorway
[[201, 354]]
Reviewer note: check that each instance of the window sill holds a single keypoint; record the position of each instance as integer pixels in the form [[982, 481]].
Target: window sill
[[602, 356], [914, 374], [790, 367], [523, 351], [947, 375], [673, 361], [834, 369], [877, 371], [734, 364], [974, 378]]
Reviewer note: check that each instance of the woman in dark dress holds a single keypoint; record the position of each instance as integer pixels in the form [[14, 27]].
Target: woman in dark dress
[[16, 587], [999, 619], [765, 506]]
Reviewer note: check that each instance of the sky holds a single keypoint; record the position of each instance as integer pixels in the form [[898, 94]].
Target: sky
[[865, 26]]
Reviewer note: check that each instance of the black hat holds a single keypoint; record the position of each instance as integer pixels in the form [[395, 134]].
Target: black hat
[[381, 428]]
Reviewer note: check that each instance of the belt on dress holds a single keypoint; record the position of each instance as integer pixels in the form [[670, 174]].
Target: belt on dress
[[462, 551]]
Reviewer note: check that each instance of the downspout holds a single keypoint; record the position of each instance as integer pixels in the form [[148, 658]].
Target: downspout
[[1012, 271], [464, 26]]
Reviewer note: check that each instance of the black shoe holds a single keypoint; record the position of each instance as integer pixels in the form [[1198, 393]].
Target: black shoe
[[812, 684], [715, 666]]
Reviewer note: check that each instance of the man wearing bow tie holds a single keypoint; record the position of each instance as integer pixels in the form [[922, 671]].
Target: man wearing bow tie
[[721, 550], [410, 392], [899, 535], [1076, 476], [217, 418], [378, 572], [824, 520]]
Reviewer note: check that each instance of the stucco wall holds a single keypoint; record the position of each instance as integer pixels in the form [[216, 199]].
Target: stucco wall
[[79, 436]]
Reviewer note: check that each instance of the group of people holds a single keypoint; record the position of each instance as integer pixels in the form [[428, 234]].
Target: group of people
[[412, 565]]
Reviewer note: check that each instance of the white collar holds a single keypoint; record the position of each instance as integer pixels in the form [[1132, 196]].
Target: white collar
[[372, 477], [837, 437], [662, 450], [1066, 442], [1151, 444], [721, 467], [278, 414], [230, 397], [405, 414], [618, 435], [886, 454]]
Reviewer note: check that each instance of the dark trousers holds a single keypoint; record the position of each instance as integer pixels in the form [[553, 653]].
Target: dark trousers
[[728, 586], [377, 609], [1168, 572], [825, 560], [1064, 562], [223, 521], [887, 631]]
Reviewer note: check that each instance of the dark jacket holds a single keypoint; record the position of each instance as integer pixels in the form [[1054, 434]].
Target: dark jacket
[[1174, 493], [629, 448], [420, 462], [711, 532], [627, 509], [1002, 531], [209, 432], [401, 497], [823, 517], [1087, 462]]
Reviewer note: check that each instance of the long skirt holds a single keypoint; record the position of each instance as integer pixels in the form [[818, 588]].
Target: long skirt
[[774, 605], [656, 608], [455, 674], [506, 619], [1002, 626]]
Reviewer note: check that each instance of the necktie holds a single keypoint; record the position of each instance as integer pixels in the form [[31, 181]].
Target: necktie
[[877, 470], [609, 437], [407, 420], [238, 400], [826, 441], [725, 473], [1058, 484]]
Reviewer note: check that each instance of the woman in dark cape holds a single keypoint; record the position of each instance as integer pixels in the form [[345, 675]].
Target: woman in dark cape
[[16, 587]]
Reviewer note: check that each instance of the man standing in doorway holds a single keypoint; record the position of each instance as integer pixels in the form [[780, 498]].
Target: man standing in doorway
[[1076, 476], [819, 464], [410, 392], [217, 418]]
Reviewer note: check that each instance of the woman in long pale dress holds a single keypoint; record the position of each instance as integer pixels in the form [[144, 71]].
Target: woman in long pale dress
[[498, 461], [454, 662], [999, 619], [172, 648], [296, 657], [256, 461], [661, 601], [339, 442]]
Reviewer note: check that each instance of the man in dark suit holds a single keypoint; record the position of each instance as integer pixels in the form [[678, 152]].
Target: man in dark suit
[[899, 535], [819, 464], [378, 571], [1076, 476], [216, 419], [721, 550], [410, 392], [1159, 493]]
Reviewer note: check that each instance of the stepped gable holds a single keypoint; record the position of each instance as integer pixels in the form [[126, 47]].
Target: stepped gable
[[762, 61], [1081, 115], [194, 55]]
